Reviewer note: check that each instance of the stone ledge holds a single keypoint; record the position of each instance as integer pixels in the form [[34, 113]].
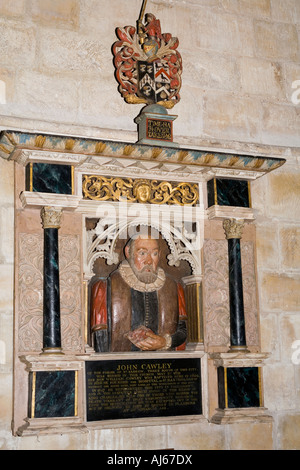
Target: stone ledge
[[49, 362], [238, 359], [225, 212], [38, 200], [44, 426], [241, 415], [39, 426]]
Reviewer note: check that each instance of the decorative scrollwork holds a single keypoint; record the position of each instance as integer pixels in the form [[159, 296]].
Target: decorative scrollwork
[[100, 188]]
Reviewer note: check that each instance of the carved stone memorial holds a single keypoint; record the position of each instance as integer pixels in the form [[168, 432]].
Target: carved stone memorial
[[144, 302], [135, 278]]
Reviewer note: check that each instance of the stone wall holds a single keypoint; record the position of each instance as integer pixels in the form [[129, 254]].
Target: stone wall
[[240, 92], [277, 202]]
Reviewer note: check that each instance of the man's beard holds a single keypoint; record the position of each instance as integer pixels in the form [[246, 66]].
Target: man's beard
[[146, 275]]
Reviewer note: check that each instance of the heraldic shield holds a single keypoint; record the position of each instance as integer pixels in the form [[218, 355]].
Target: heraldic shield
[[154, 81], [148, 65]]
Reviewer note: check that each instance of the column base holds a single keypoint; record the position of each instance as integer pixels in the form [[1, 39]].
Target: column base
[[234, 349], [52, 351], [194, 346]]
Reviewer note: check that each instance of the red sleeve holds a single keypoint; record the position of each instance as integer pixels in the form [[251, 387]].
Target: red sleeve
[[99, 306], [182, 311], [181, 303]]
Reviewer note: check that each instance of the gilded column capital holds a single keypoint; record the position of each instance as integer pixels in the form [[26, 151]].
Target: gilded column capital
[[233, 228], [51, 217]]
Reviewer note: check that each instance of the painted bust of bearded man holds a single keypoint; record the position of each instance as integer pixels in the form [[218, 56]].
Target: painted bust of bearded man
[[139, 307]]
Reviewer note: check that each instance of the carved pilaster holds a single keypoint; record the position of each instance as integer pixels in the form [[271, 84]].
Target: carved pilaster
[[233, 230], [51, 219]]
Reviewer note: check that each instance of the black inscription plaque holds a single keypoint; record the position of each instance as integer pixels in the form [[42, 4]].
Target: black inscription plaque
[[159, 129], [142, 388]]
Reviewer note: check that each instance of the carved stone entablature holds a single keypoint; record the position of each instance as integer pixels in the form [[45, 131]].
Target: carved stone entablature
[[19, 146]]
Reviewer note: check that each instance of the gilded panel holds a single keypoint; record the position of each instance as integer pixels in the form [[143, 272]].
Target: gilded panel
[[102, 188]]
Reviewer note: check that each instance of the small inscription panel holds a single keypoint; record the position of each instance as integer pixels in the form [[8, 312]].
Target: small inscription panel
[[142, 388], [159, 129]]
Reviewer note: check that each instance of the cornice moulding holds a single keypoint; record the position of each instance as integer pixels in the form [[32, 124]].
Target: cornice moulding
[[12, 143]]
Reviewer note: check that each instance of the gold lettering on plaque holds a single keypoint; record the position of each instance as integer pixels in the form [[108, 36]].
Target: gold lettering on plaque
[[125, 386], [159, 129]]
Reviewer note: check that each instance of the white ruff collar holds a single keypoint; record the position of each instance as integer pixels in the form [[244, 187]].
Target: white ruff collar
[[133, 282]]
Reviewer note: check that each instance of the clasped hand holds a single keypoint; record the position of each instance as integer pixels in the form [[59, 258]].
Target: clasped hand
[[145, 339]]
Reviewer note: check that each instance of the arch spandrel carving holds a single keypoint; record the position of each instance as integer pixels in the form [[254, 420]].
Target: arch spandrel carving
[[184, 244]]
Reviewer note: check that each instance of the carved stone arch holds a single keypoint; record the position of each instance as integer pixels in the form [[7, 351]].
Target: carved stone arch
[[183, 245]]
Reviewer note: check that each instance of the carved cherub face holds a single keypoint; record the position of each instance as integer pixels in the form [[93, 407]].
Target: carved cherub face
[[143, 193]]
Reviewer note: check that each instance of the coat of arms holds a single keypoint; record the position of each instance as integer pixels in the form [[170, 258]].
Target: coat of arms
[[148, 65]]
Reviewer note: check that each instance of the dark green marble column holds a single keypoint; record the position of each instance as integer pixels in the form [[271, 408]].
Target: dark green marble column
[[51, 305], [233, 230]]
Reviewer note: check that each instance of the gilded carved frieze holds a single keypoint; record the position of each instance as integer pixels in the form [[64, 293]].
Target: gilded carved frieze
[[102, 188], [216, 293], [30, 292]]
